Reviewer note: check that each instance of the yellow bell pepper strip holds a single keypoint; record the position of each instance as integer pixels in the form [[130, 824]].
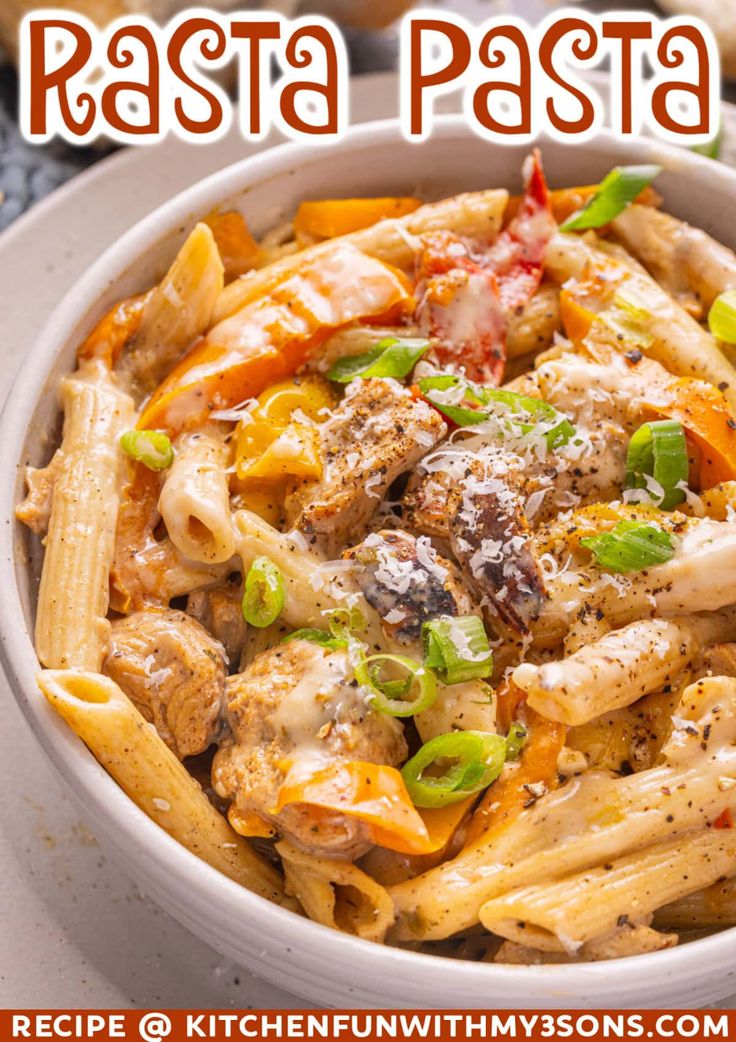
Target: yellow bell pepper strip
[[442, 822], [517, 789], [295, 453], [373, 794], [328, 218], [270, 338], [114, 330], [264, 498], [238, 250], [250, 824], [269, 445]]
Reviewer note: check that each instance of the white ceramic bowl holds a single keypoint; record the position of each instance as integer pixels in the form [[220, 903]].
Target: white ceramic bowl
[[298, 955]]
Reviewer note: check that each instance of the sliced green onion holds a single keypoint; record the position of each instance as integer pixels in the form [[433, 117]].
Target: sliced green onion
[[435, 388], [617, 189], [388, 696], [559, 434], [457, 648], [631, 546], [393, 356], [151, 448], [659, 450], [263, 598], [343, 621], [722, 317], [321, 637], [515, 740], [478, 758]]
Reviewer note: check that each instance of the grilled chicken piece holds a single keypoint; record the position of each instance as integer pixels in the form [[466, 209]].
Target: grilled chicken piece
[[489, 536], [299, 702], [424, 504], [220, 611], [174, 673], [690, 265], [378, 432], [407, 582]]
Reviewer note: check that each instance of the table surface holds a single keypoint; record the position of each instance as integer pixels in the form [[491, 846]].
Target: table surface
[[74, 931]]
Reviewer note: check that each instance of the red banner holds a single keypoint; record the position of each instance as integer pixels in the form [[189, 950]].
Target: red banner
[[359, 1025]]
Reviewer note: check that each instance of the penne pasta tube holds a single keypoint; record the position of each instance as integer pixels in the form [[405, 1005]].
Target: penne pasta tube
[[713, 906], [308, 598], [458, 707], [142, 764], [313, 587], [668, 333], [531, 329], [178, 310], [562, 915], [629, 940], [620, 667], [337, 893], [71, 624], [699, 577], [686, 261], [391, 240], [590, 821], [195, 498]]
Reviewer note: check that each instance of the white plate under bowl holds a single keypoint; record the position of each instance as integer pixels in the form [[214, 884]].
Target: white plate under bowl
[[321, 965]]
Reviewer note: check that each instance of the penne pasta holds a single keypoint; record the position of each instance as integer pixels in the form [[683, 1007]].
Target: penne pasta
[[308, 597], [632, 939], [178, 311], [684, 260], [711, 907], [620, 667], [71, 624], [195, 498], [681, 795], [143, 765], [672, 336], [470, 551], [562, 915], [336, 893], [699, 577]]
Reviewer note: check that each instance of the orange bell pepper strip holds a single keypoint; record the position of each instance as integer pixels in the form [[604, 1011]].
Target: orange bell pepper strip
[[506, 799], [701, 408], [270, 338], [567, 201], [114, 330], [710, 425], [238, 250], [576, 318], [373, 794], [328, 218], [509, 698]]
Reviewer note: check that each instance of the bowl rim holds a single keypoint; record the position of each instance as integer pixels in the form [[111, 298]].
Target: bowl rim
[[103, 799]]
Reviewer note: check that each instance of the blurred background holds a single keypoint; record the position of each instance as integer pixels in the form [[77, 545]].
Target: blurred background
[[28, 173]]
